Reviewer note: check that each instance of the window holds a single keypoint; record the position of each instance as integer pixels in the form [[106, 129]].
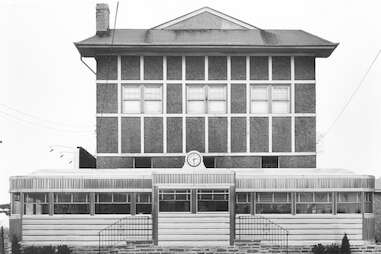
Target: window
[[112, 203], [16, 203], [143, 203], [313, 202], [174, 200], [349, 202], [269, 162], [138, 99], [71, 203], [209, 162], [36, 203], [273, 202], [243, 202], [270, 99], [143, 162], [203, 99], [368, 202], [213, 200]]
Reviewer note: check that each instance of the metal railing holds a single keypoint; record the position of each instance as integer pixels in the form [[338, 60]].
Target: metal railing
[[261, 229], [136, 228]]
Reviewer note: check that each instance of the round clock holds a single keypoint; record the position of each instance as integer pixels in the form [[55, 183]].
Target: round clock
[[194, 159]]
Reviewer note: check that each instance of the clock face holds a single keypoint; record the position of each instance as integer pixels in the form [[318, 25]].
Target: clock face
[[194, 159]]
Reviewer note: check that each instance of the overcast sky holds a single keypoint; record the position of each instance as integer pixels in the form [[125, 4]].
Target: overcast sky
[[47, 96]]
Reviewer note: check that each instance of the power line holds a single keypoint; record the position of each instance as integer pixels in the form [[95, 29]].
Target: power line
[[351, 97], [37, 117]]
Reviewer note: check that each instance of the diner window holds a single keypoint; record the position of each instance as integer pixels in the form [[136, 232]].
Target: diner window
[[270, 99], [145, 99], [243, 202], [112, 203], [273, 202], [349, 202], [313, 202], [71, 203], [142, 162], [209, 162], [36, 203], [269, 162], [174, 200], [16, 203], [213, 200], [368, 202], [202, 99], [144, 203]]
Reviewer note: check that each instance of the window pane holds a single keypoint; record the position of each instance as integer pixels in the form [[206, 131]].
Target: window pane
[[348, 197], [259, 107], [242, 197], [280, 197], [131, 107], [217, 93], [63, 198], [120, 197], [273, 208], [348, 208], [281, 107], [259, 93], [152, 93], [216, 107], [144, 198], [105, 197], [79, 197], [322, 197], [195, 93], [280, 93], [196, 107], [131, 92], [152, 107], [265, 197], [306, 197]]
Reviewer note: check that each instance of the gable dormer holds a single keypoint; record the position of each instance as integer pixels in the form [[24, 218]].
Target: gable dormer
[[205, 18]]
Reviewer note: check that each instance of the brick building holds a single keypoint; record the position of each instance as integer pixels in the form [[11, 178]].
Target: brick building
[[206, 129]]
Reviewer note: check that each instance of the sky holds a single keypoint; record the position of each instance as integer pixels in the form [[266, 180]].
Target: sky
[[47, 96]]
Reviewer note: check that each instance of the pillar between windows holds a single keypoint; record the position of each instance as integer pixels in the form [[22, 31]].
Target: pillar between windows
[[21, 204], [334, 203], [133, 203], [293, 203], [232, 201], [193, 201], [252, 203], [51, 203], [155, 215], [92, 203]]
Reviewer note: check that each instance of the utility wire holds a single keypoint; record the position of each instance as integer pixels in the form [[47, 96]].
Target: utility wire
[[351, 97], [39, 118]]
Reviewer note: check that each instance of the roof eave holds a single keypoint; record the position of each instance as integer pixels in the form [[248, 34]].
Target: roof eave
[[91, 50]]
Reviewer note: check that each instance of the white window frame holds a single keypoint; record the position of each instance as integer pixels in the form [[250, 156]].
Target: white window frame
[[206, 98], [142, 100], [269, 100]]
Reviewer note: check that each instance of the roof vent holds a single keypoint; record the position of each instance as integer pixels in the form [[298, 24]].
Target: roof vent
[[103, 19]]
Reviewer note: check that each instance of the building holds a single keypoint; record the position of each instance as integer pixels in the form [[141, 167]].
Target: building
[[206, 131]]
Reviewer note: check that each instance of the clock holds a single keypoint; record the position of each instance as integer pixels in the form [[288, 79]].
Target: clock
[[194, 159]]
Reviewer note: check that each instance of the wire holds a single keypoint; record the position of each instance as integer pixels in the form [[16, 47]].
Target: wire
[[351, 97], [39, 118]]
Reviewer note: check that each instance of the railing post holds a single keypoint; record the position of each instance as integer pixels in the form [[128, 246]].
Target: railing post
[[155, 215], [232, 214]]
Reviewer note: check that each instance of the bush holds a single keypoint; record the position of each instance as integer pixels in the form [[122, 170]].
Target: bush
[[16, 247], [345, 246], [333, 249], [318, 249], [61, 249]]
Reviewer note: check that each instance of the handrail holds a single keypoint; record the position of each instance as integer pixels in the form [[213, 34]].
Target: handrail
[[260, 228], [130, 228]]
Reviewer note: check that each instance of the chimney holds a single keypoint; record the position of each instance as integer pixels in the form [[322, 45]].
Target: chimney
[[103, 19]]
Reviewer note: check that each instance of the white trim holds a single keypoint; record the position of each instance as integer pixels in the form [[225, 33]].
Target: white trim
[[270, 62], [206, 119], [141, 59], [270, 121], [228, 104], [247, 104], [210, 115], [274, 82], [119, 96], [206, 68], [292, 104], [164, 101], [209, 154], [141, 134], [202, 10], [184, 110]]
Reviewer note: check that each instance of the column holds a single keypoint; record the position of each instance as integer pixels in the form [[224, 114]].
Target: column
[[232, 214], [155, 215]]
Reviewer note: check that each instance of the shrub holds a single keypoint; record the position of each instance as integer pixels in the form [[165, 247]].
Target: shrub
[[16, 247], [345, 246], [61, 249], [318, 249], [333, 249]]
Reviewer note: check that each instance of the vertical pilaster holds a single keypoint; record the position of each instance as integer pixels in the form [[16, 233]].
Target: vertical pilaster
[[252, 203], [293, 203], [232, 214], [92, 203], [334, 203], [133, 203], [22, 208], [51, 203], [155, 215], [193, 201]]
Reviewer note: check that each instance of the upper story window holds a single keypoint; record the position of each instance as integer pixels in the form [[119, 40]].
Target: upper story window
[[265, 99], [138, 99], [206, 99]]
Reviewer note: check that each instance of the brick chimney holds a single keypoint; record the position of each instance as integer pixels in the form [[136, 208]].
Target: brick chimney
[[103, 19]]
